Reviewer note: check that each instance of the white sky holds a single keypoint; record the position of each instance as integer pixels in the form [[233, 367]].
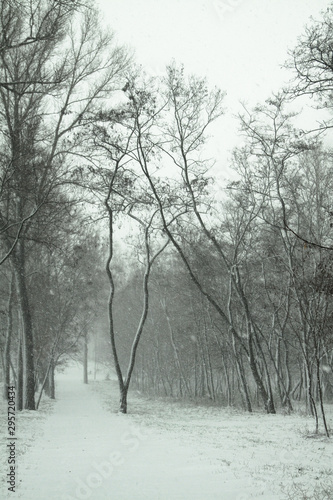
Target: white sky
[[238, 44]]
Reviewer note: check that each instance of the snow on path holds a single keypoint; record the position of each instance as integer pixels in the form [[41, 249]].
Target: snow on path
[[87, 452]]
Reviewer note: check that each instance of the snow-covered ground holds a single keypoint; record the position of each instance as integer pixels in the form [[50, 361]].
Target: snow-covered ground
[[79, 447]]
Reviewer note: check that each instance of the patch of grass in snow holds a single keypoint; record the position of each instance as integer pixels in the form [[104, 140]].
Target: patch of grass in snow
[[315, 492], [308, 432]]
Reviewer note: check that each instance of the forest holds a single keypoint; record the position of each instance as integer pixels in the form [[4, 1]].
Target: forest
[[121, 237]]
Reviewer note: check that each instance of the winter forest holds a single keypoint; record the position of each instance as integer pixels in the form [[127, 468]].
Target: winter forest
[[126, 246]]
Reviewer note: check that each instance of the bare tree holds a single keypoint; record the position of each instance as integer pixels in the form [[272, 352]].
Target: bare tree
[[24, 22], [311, 62], [194, 109], [57, 83], [289, 172], [123, 194]]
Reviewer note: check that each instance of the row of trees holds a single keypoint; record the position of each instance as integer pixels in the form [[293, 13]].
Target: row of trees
[[259, 261], [55, 64], [225, 293], [287, 287]]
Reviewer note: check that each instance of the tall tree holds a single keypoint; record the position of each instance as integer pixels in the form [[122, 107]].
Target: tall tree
[[49, 89], [311, 62], [192, 110], [291, 174]]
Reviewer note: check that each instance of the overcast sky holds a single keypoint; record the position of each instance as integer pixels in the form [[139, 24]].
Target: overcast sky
[[238, 44]]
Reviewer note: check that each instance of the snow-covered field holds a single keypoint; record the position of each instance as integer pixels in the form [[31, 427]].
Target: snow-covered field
[[79, 447]]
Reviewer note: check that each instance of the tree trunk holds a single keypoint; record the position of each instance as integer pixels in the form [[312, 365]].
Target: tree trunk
[[123, 400], [95, 357], [208, 365], [9, 332], [27, 340], [85, 359], [244, 387], [241, 375], [227, 381], [45, 384], [48, 383], [196, 372], [268, 403], [51, 380], [19, 382], [182, 377], [288, 379]]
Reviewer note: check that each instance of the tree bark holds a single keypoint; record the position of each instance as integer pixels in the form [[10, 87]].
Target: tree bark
[[268, 403], [85, 359], [27, 340], [9, 332], [123, 400], [19, 382], [51, 380]]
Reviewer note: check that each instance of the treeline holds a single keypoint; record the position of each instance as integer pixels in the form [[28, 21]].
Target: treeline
[[219, 291], [281, 309], [55, 63]]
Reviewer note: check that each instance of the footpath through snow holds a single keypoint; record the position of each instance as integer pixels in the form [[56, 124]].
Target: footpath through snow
[[87, 452], [83, 449]]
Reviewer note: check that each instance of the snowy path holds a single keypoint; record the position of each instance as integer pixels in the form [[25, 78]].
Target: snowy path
[[84, 451], [79, 448]]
